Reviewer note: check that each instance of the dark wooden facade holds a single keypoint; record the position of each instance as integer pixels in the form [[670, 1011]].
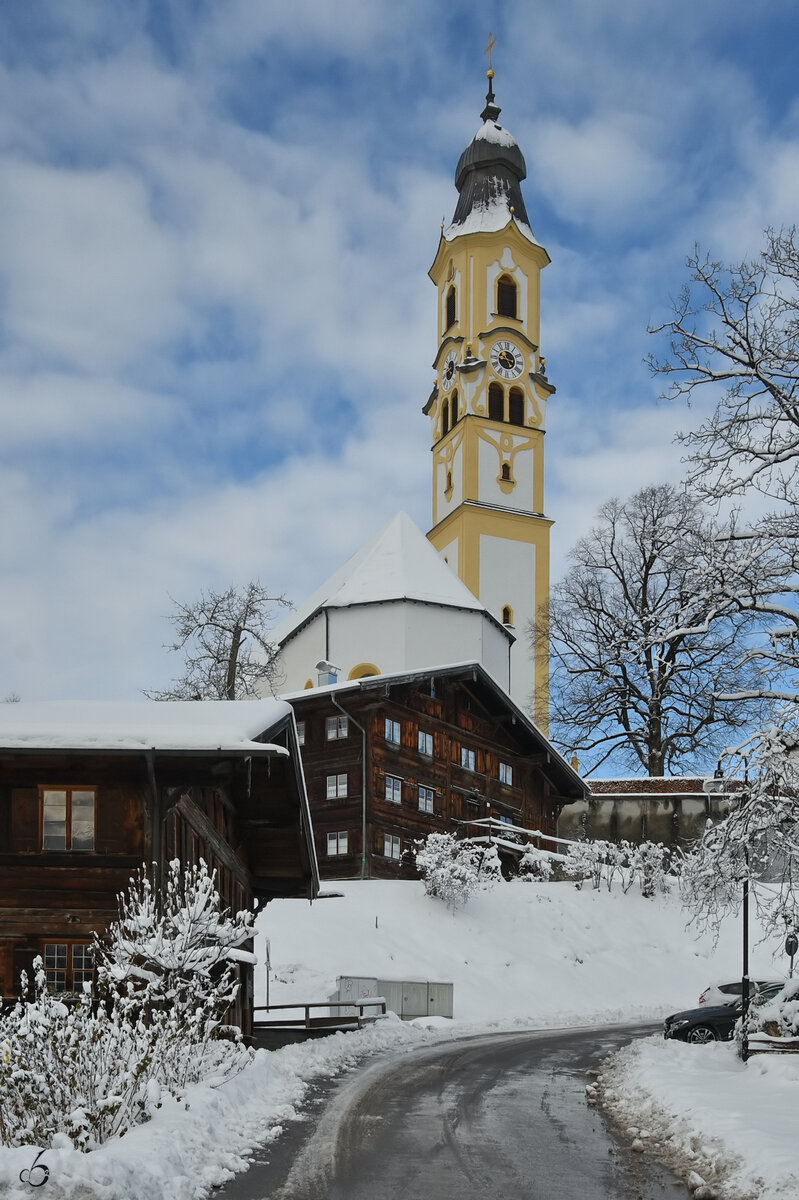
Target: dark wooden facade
[[441, 719], [243, 811]]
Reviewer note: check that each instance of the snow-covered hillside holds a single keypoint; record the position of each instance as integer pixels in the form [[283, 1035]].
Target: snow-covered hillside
[[543, 953]]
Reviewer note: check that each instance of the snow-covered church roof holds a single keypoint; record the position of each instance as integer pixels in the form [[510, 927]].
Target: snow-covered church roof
[[398, 563], [488, 178], [231, 726]]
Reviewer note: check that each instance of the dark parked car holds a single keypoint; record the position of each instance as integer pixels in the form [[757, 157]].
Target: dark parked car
[[713, 1022]]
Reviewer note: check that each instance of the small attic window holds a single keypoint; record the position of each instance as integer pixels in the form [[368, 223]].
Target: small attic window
[[506, 297], [450, 307]]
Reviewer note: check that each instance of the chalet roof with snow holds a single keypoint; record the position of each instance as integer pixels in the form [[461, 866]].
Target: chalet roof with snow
[[398, 563], [230, 726]]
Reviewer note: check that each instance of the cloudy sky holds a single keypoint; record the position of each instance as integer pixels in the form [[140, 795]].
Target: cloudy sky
[[216, 221]]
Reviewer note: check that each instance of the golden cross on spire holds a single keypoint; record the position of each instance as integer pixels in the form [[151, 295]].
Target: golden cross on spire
[[492, 41]]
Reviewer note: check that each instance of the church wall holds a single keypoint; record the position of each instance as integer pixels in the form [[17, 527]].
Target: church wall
[[507, 577]]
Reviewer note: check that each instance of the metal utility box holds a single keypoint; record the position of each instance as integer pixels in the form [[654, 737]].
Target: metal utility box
[[408, 998]]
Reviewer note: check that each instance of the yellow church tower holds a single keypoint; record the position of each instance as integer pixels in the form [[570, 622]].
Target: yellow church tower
[[487, 409]]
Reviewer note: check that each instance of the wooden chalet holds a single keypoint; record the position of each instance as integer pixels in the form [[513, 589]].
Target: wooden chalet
[[89, 791], [391, 758]]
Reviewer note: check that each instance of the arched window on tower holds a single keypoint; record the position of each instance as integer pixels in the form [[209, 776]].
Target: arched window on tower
[[496, 402], [516, 406], [450, 307], [507, 615], [506, 296], [445, 418], [506, 470], [454, 408]]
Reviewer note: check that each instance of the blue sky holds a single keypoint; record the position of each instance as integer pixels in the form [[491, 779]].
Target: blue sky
[[216, 326]]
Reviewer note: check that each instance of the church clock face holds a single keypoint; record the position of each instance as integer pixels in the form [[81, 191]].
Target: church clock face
[[506, 359], [448, 371]]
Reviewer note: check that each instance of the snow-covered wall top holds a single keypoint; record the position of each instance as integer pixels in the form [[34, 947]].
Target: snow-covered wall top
[[142, 724]]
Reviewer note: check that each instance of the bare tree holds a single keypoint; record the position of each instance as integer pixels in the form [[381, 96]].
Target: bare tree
[[736, 329], [627, 678], [225, 643]]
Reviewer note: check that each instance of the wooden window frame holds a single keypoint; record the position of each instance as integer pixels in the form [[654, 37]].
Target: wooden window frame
[[389, 728], [427, 798], [506, 773], [68, 790], [337, 727], [336, 786], [393, 785], [342, 843], [423, 740], [392, 842], [468, 759], [69, 970]]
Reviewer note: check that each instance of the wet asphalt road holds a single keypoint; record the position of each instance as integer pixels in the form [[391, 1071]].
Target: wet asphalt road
[[487, 1118]]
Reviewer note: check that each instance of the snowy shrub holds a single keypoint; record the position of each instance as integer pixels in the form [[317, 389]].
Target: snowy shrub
[[489, 867], [449, 868], [647, 864], [780, 1017], [94, 1069], [535, 865]]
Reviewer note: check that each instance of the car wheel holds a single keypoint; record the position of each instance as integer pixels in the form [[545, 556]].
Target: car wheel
[[700, 1035]]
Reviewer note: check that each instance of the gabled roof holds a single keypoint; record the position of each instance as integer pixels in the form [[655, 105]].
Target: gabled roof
[[398, 563], [230, 726], [492, 696]]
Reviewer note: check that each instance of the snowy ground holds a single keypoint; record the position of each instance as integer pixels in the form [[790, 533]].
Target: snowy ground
[[522, 955]]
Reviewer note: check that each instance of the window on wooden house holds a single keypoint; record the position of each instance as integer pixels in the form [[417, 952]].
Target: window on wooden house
[[392, 846], [300, 733], [337, 727], [425, 743], [336, 786], [506, 774], [450, 307], [426, 796], [337, 844], [68, 818], [392, 731], [68, 966], [394, 789], [506, 296], [516, 406], [467, 758], [496, 402]]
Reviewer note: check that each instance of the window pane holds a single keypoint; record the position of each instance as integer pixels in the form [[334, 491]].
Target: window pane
[[55, 966], [342, 785], [54, 828], [301, 733], [82, 966], [82, 821], [342, 843]]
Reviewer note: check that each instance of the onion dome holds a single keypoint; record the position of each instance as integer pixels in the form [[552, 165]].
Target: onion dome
[[489, 174]]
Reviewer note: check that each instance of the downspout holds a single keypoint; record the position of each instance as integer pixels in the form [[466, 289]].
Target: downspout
[[155, 818], [350, 717]]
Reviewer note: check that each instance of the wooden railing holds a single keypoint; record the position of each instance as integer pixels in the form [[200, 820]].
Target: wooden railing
[[320, 1022]]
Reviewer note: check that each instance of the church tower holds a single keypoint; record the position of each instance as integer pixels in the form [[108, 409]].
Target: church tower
[[487, 409]]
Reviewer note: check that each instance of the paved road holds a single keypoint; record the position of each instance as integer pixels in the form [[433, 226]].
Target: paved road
[[487, 1118]]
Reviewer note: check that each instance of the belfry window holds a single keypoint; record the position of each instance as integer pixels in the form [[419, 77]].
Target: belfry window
[[496, 402], [506, 297], [445, 418], [454, 408], [450, 307], [516, 406]]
